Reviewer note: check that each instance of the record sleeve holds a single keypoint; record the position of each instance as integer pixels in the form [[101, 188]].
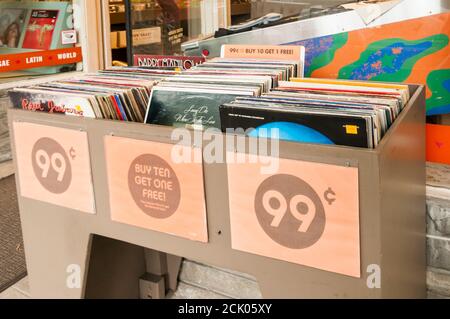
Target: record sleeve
[[297, 126], [33, 100], [188, 107]]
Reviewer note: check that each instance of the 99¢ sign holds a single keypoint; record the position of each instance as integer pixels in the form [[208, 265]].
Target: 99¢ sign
[[306, 213], [54, 165], [290, 211], [51, 165]]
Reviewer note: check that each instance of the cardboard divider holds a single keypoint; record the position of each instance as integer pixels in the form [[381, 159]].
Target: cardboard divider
[[325, 223]]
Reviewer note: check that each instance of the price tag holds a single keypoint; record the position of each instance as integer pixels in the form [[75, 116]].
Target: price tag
[[305, 213], [54, 166], [69, 37], [149, 189]]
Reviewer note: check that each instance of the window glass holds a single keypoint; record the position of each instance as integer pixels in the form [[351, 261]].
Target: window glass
[[29, 30], [161, 26], [242, 10]]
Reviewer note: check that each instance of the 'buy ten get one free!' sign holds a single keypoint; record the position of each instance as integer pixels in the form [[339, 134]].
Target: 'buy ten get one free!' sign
[[148, 190]]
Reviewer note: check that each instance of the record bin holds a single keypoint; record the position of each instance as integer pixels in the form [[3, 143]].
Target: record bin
[[98, 244]]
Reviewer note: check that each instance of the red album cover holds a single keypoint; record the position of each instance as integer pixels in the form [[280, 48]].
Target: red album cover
[[39, 32]]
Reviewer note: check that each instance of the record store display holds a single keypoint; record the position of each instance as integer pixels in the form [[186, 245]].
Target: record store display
[[193, 98], [320, 111], [266, 98], [287, 148], [117, 94]]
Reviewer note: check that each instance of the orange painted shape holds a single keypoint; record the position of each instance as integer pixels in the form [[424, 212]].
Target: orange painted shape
[[410, 30], [438, 143]]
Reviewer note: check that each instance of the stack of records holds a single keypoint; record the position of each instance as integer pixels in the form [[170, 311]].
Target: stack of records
[[193, 98], [262, 97], [118, 94], [340, 112]]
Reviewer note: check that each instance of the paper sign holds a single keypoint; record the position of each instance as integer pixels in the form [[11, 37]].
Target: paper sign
[[68, 37], [271, 52], [54, 166], [307, 213], [267, 52], [438, 143], [146, 36], [148, 189]]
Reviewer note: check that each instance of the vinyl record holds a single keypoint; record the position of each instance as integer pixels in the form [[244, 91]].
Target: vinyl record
[[292, 132]]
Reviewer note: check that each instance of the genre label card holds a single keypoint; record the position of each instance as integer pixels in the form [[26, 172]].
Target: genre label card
[[148, 188], [54, 165], [306, 213]]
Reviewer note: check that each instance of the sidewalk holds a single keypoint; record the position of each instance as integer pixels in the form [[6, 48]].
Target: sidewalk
[[196, 281]]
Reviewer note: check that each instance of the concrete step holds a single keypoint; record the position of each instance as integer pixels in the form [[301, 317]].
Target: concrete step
[[438, 282], [438, 253], [187, 291], [219, 281]]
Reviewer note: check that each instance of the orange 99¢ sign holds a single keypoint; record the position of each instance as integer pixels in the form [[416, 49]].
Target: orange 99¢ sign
[[305, 213], [54, 165]]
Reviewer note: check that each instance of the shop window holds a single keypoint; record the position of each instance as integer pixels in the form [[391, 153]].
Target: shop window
[[34, 36], [160, 27]]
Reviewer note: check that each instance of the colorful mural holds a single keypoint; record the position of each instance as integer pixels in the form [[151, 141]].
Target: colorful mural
[[439, 84], [392, 59], [320, 51], [412, 51]]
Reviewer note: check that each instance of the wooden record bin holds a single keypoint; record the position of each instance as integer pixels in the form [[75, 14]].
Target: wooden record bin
[[365, 237]]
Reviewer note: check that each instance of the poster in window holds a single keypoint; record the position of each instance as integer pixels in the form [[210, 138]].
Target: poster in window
[[11, 26], [40, 29]]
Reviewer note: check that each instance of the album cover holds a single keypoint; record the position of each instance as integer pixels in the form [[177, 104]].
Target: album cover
[[12, 22], [51, 102], [40, 29], [188, 107], [297, 125]]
